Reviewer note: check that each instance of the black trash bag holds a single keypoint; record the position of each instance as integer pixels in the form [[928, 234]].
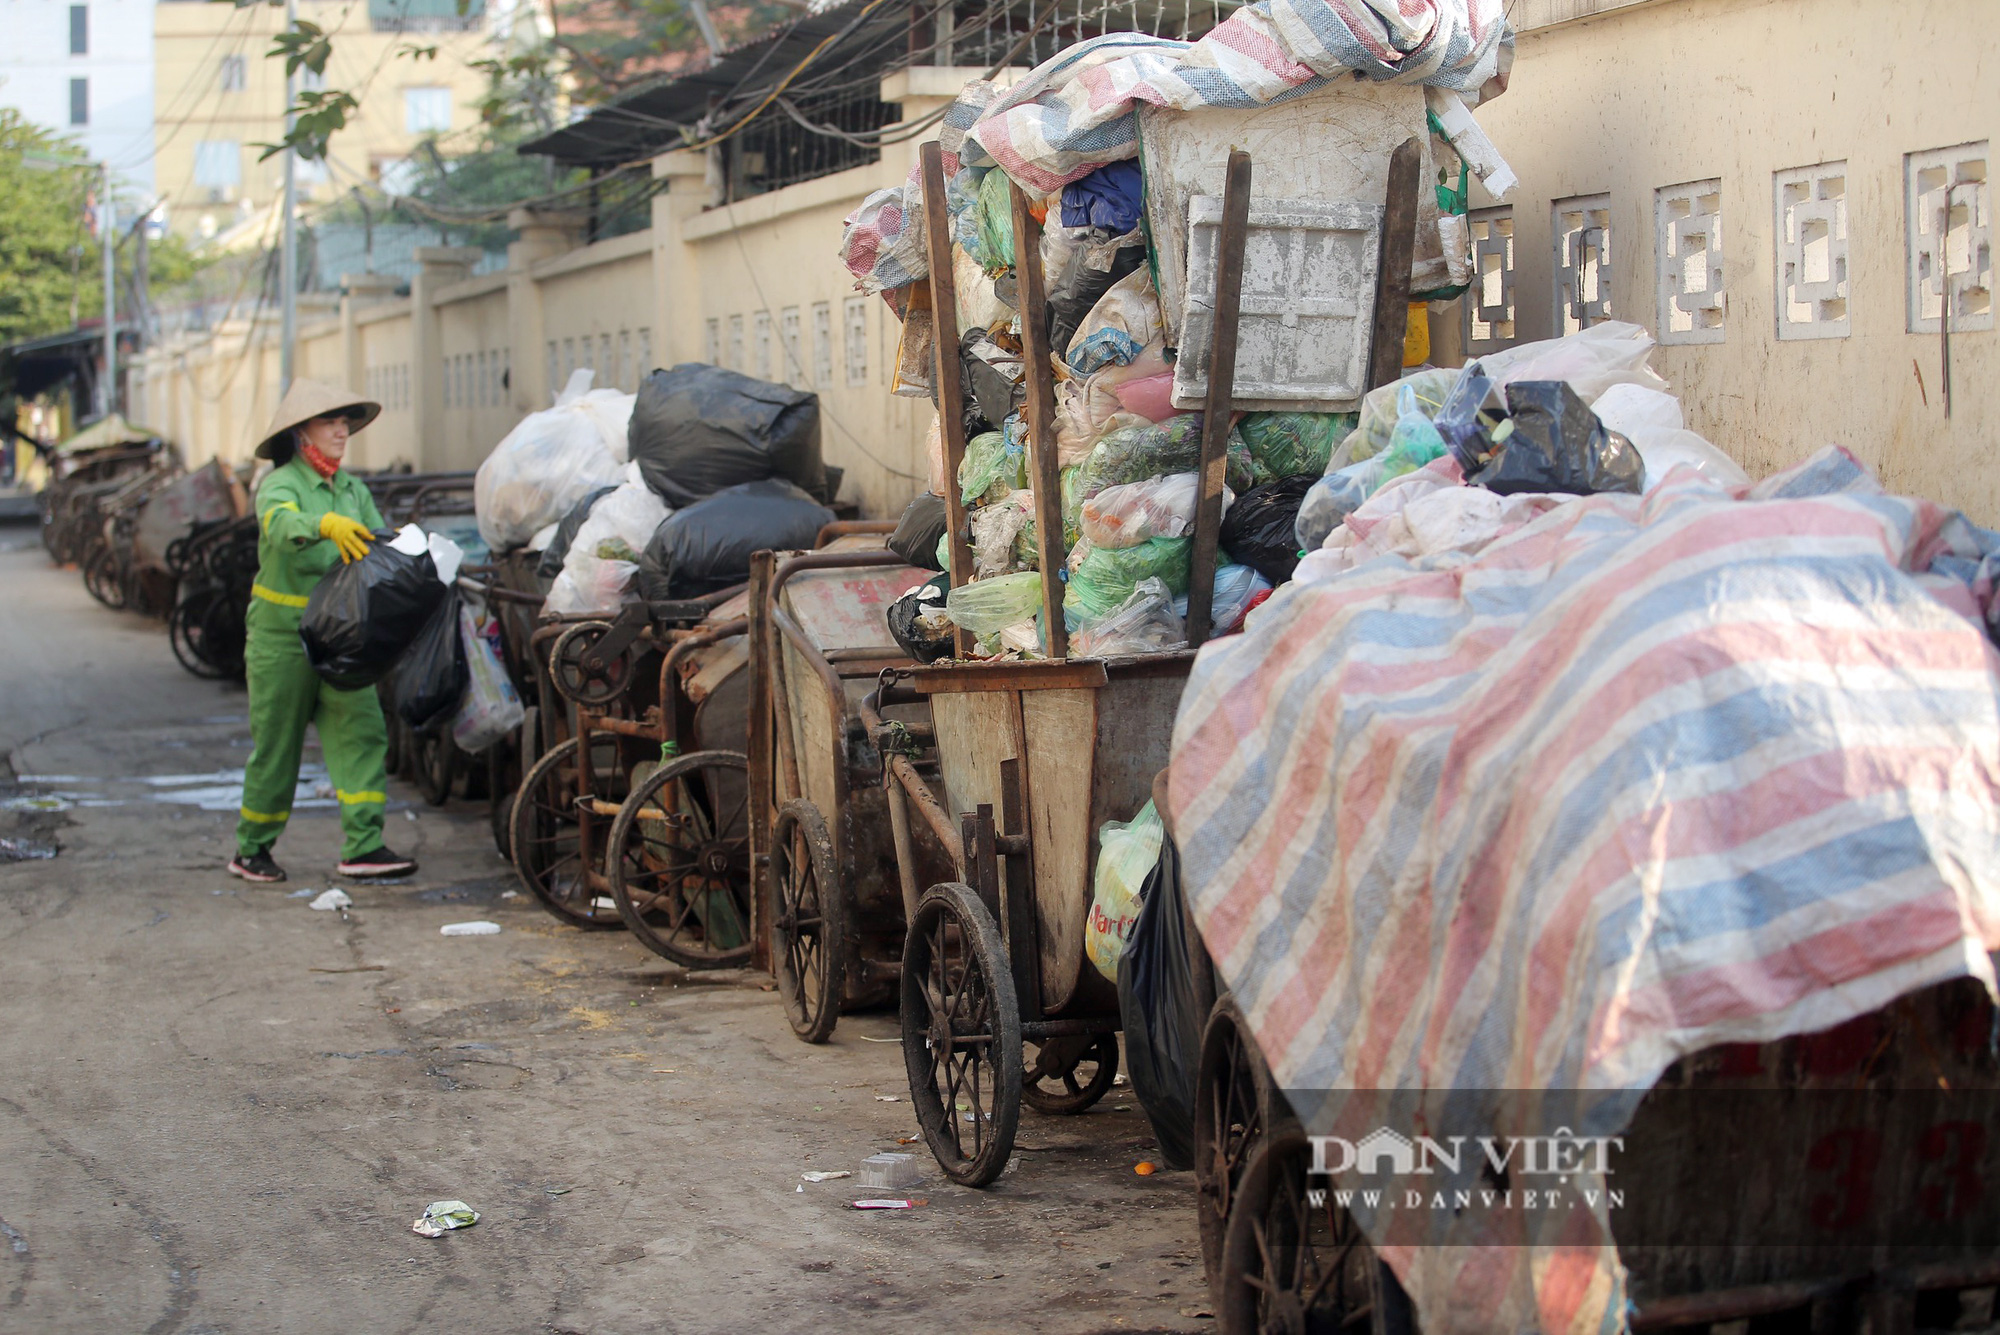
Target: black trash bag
[[552, 555], [1260, 529], [1076, 289], [1557, 444], [1157, 1005], [917, 532], [429, 683], [1472, 410], [707, 547], [699, 429], [918, 624], [363, 615], [994, 380]]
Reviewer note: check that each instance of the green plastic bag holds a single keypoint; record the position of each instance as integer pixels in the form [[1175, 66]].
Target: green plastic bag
[[1288, 444], [1136, 453], [1108, 575], [989, 606], [991, 469], [1127, 851], [993, 217]]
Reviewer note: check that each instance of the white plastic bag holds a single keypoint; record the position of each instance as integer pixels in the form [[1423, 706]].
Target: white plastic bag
[[1592, 360], [1636, 410], [995, 529], [491, 708], [1145, 623], [604, 554], [547, 463], [989, 606], [1131, 512], [1124, 322], [1126, 855], [1662, 451]]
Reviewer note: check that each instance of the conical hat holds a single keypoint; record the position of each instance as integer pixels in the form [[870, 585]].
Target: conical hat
[[307, 399]]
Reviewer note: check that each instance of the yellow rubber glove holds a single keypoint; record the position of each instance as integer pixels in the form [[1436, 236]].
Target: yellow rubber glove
[[351, 536]]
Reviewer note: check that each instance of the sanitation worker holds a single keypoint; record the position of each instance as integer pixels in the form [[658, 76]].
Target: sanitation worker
[[313, 515]]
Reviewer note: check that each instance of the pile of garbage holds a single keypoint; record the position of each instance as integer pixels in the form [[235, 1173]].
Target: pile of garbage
[[668, 490]]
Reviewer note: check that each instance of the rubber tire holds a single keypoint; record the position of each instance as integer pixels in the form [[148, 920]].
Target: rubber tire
[[979, 939], [598, 920], [1074, 1099], [621, 830], [812, 1017], [602, 694], [1225, 1039]]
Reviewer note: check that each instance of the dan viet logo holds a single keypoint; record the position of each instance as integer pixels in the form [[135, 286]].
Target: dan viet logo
[[1522, 1172]]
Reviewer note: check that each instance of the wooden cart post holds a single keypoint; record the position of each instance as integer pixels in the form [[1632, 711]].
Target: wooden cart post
[[763, 797], [945, 374], [1391, 321], [1221, 392], [1041, 414]]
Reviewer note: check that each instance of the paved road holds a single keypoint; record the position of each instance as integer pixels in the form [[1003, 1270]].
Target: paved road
[[220, 1111]]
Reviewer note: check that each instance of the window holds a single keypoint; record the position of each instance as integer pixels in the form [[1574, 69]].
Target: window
[[79, 101], [1687, 225], [235, 73], [218, 165], [1810, 204], [854, 322], [1949, 224], [79, 30], [1582, 231], [396, 176], [426, 110]]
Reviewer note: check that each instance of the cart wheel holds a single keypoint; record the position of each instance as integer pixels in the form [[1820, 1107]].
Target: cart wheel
[[100, 578], [436, 763], [1294, 1265], [185, 634], [582, 684], [472, 770], [503, 769], [548, 834], [221, 640], [961, 1034], [1067, 1075], [1232, 1109], [679, 860], [808, 921]]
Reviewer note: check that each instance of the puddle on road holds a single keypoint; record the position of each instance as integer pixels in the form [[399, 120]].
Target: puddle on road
[[214, 790], [27, 850]]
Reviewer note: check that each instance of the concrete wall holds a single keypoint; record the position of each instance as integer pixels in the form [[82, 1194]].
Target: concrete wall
[[1623, 99], [36, 66]]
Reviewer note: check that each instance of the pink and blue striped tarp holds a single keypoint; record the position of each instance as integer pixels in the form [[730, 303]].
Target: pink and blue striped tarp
[[1633, 778]]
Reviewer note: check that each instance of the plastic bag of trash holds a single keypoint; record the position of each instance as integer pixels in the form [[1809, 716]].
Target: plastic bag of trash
[[429, 681], [1107, 576], [1380, 410], [993, 379], [1135, 453], [990, 469], [1415, 441], [1082, 264], [996, 533], [919, 530], [1111, 198], [1238, 588], [604, 553], [1156, 1002], [1288, 444], [992, 242], [989, 606], [549, 461], [1124, 322], [557, 547], [1331, 499], [697, 430], [1260, 530], [1131, 512], [1126, 854], [491, 708], [360, 618], [918, 621], [1591, 360], [1552, 442], [707, 547], [1663, 451], [1145, 623]]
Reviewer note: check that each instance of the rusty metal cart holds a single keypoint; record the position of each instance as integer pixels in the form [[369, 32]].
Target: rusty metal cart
[[839, 865]]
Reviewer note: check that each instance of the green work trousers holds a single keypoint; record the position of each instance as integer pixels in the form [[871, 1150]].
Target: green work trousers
[[286, 695]]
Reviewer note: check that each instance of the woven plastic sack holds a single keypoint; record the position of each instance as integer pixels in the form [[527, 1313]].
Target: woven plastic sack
[[1287, 444], [989, 606], [1106, 577], [1126, 854]]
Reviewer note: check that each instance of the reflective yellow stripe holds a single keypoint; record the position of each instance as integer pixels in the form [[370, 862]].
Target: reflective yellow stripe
[[293, 506], [273, 596], [264, 817], [351, 798]]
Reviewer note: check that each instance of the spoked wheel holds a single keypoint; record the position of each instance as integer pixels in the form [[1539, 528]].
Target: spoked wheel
[[508, 760], [186, 636], [961, 1034], [221, 641], [101, 578], [436, 763], [1232, 1111], [576, 678], [1293, 1264], [1066, 1075], [808, 921], [552, 834], [679, 860]]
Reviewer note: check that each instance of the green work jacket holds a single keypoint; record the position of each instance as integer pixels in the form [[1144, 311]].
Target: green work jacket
[[291, 555]]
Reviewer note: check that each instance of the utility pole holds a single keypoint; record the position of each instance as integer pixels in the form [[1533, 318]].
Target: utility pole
[[107, 233], [288, 258]]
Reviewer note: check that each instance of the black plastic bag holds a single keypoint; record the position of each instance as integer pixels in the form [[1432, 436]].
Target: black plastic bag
[[1076, 289], [363, 615], [1260, 529], [707, 547], [699, 429], [1157, 1005], [1472, 410], [429, 682], [1553, 442], [917, 532], [994, 379], [917, 622], [552, 555]]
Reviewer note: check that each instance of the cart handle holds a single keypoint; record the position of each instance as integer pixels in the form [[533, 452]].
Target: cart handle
[[841, 528], [913, 785], [793, 565], [669, 716]]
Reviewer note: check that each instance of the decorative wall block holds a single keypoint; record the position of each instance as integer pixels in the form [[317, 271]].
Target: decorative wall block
[[1948, 222], [1489, 305], [854, 322], [1581, 229], [1687, 251], [822, 365]]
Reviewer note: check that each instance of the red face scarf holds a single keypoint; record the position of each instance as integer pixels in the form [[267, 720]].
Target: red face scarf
[[318, 462]]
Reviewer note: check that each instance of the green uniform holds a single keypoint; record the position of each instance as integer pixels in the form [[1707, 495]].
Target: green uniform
[[285, 693]]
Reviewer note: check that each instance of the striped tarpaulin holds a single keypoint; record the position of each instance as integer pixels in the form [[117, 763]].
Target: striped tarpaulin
[[1633, 778]]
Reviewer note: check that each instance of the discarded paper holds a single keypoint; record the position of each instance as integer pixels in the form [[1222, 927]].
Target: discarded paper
[[441, 1217], [331, 900], [899, 1203], [825, 1177], [470, 929]]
